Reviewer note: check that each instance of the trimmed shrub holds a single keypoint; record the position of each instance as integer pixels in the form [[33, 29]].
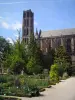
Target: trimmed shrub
[[54, 73], [54, 77]]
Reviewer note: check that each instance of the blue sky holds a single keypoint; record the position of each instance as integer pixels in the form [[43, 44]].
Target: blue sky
[[48, 15]]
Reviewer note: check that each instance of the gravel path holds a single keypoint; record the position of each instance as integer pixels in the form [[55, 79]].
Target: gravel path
[[64, 90]]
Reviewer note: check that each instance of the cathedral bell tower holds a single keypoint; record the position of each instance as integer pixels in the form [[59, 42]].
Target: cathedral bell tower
[[27, 25]]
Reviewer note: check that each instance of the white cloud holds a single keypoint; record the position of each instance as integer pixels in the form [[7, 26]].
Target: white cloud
[[10, 40], [5, 25], [9, 3], [16, 35], [13, 26], [16, 25], [35, 23]]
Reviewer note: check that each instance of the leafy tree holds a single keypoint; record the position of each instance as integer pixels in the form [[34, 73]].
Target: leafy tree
[[63, 59], [34, 50], [33, 67], [31, 46], [48, 59], [34, 56], [5, 48], [19, 56], [17, 65], [16, 60], [61, 55]]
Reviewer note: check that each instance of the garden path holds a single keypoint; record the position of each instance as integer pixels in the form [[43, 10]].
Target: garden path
[[64, 90]]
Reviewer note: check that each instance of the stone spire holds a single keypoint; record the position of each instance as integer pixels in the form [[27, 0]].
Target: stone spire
[[39, 33], [36, 34]]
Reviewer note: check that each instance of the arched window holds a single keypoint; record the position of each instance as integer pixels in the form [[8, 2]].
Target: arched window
[[68, 45], [27, 14], [74, 46], [27, 31], [24, 32], [27, 22], [59, 42], [24, 22]]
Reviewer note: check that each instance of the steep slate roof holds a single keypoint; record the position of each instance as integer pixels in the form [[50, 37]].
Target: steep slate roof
[[50, 33]]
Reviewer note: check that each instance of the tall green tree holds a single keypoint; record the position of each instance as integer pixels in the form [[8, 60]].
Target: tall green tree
[[33, 49], [34, 55], [16, 61], [61, 55], [63, 58], [31, 46], [5, 47]]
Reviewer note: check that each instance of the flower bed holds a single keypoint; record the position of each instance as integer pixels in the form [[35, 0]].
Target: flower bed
[[22, 85]]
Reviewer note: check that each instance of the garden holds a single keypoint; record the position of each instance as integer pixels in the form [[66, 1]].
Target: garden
[[22, 85], [29, 71]]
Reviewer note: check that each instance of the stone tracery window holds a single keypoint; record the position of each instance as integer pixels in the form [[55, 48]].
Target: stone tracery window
[[68, 45]]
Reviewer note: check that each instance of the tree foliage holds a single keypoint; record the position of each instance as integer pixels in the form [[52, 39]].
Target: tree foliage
[[16, 60], [63, 59], [33, 67], [17, 65], [61, 55], [48, 59], [24, 57], [34, 56], [4, 48], [54, 73]]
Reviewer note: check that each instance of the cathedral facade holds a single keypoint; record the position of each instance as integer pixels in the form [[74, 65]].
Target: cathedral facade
[[52, 38]]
